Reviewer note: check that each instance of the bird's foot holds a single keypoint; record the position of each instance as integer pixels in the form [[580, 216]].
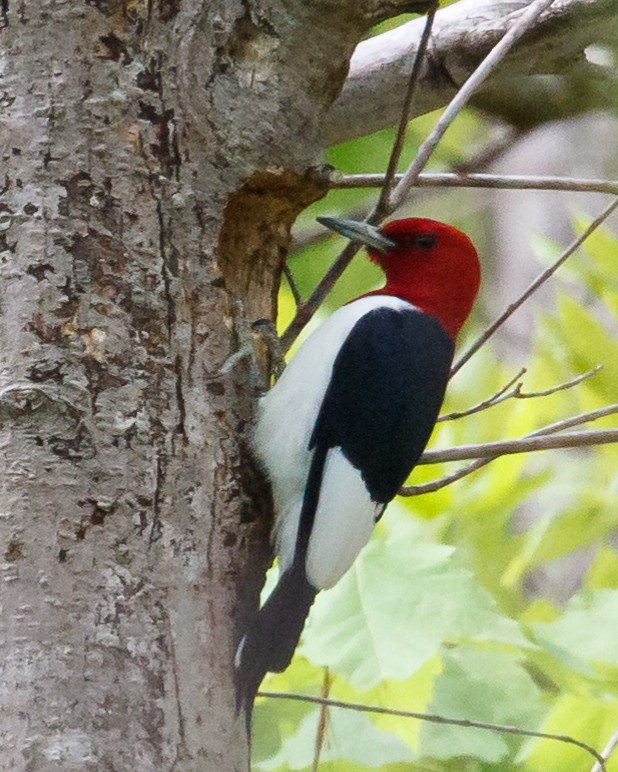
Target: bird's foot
[[246, 333], [268, 333], [245, 341]]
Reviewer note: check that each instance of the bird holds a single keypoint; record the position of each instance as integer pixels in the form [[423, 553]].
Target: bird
[[349, 418]]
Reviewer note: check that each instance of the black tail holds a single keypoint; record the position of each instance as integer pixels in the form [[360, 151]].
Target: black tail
[[269, 643]]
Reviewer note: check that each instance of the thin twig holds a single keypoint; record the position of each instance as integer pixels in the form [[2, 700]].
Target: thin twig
[[499, 396], [311, 234], [447, 479], [517, 393], [307, 309], [560, 386], [459, 101], [558, 426], [381, 208], [575, 420], [321, 731], [491, 61], [612, 744], [521, 445], [292, 284], [538, 282], [493, 181], [436, 719]]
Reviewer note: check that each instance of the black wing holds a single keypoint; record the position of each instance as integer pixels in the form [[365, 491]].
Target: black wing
[[383, 399]]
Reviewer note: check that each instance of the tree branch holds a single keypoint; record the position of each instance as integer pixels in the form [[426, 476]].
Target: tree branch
[[306, 310], [321, 728], [611, 746], [389, 202], [496, 398], [381, 209], [557, 426], [488, 65], [464, 33], [506, 392], [436, 719], [493, 181], [522, 445]]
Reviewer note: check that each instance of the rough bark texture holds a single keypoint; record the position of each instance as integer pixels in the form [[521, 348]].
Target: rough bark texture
[[154, 154]]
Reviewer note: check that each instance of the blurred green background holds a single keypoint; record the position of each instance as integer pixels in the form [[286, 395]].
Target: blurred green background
[[496, 598]]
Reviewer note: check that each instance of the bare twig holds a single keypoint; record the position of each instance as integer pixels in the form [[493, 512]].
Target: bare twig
[[307, 309], [381, 209], [436, 719], [292, 284], [499, 396], [491, 61], [321, 731], [575, 420], [606, 752], [447, 479], [538, 282], [439, 180], [493, 181], [521, 445], [558, 426], [516, 393], [460, 100], [560, 386]]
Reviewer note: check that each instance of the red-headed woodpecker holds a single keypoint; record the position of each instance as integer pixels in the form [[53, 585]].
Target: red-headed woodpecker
[[343, 427]]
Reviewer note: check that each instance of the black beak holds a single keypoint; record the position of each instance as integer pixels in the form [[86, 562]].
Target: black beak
[[367, 234]]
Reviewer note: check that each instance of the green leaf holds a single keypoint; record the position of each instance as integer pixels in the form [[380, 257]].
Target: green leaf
[[483, 686], [588, 629], [350, 736], [396, 606], [275, 719], [588, 719], [603, 571]]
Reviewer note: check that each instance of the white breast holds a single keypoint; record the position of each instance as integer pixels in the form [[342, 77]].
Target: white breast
[[286, 418]]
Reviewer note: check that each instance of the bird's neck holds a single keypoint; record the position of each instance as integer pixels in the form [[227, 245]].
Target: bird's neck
[[449, 304]]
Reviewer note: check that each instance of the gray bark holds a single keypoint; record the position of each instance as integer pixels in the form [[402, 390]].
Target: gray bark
[[154, 155]]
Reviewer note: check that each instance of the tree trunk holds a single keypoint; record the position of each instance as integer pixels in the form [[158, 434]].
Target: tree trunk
[[154, 156]]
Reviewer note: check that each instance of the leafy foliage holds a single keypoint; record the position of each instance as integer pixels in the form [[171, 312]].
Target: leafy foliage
[[441, 611]]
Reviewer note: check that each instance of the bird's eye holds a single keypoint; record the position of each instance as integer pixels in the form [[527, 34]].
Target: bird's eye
[[425, 241]]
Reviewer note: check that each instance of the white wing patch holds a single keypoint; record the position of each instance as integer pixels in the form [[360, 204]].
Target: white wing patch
[[343, 521]]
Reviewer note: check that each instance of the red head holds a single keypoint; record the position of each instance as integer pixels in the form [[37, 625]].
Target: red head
[[430, 264]]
